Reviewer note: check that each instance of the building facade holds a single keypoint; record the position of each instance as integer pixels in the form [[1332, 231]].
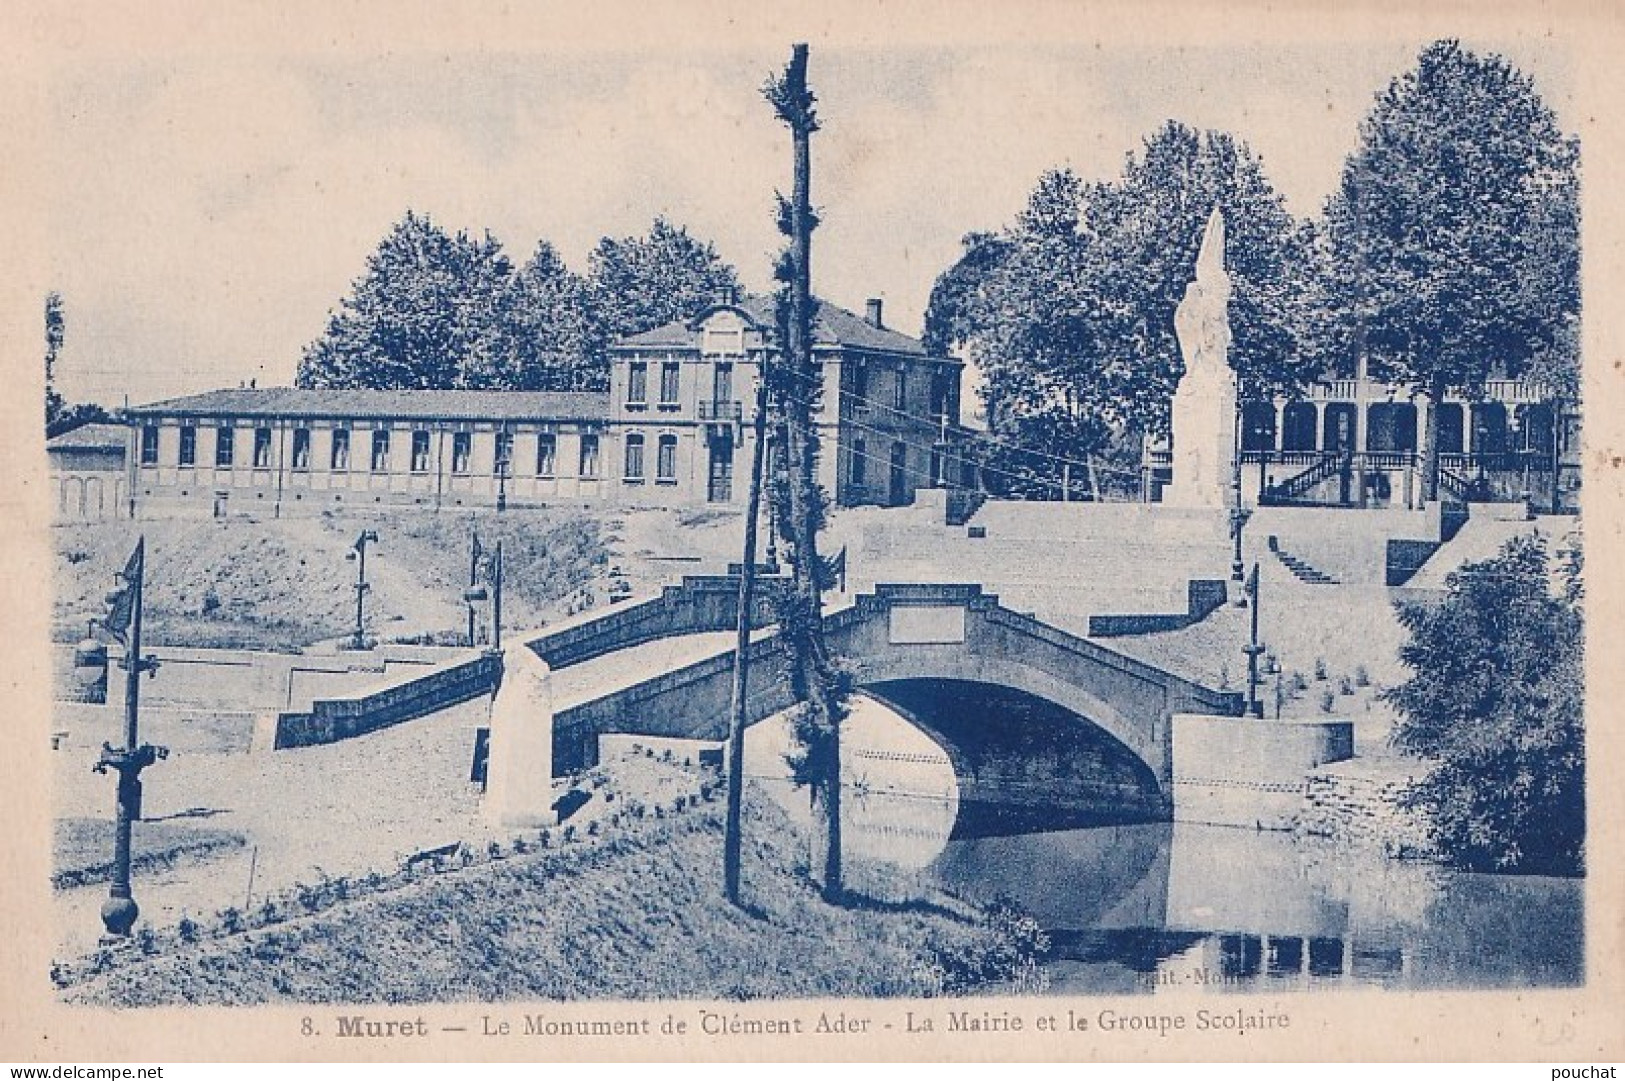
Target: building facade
[[675, 427], [87, 472], [1346, 442]]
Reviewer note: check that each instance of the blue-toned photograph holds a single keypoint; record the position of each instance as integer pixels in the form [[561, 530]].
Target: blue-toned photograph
[[816, 522]]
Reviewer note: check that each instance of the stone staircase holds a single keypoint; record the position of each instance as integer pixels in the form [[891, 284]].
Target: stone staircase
[[1063, 563], [1301, 569]]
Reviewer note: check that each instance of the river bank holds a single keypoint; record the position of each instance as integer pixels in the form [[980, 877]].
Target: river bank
[[632, 910]]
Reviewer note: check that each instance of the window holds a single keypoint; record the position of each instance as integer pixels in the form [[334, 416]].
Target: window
[[301, 448], [860, 461], [503, 461], [149, 444], [420, 451], [900, 399], [939, 395], [380, 450], [340, 460], [589, 456], [461, 443], [722, 383], [222, 447], [262, 448], [666, 460], [634, 457], [637, 384], [670, 377], [188, 445], [857, 378], [547, 453]]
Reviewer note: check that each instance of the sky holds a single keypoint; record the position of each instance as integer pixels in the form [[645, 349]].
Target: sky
[[209, 208]]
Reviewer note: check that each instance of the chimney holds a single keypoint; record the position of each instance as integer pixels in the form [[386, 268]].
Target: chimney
[[728, 295], [872, 317]]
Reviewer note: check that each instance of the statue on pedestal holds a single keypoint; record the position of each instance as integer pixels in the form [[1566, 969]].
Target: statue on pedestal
[[1204, 415]]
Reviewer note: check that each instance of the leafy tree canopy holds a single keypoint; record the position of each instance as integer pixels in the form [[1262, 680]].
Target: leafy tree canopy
[[1070, 310], [1495, 700], [638, 283], [443, 311], [1455, 228]]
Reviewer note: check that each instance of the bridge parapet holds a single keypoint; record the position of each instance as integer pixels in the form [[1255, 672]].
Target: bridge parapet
[[699, 603]]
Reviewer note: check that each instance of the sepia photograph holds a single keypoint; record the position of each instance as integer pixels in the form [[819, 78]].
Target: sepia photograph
[[911, 532]]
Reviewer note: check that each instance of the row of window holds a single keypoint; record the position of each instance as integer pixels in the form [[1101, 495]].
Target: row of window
[[637, 383], [461, 452], [855, 388]]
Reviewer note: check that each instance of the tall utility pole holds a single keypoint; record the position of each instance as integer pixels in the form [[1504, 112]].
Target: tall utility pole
[[814, 679], [732, 836], [123, 622], [496, 600], [473, 582]]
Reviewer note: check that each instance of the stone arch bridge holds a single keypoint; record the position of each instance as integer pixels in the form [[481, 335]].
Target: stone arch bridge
[[663, 668]]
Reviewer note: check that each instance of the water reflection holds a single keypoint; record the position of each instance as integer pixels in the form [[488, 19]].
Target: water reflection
[[1150, 907]]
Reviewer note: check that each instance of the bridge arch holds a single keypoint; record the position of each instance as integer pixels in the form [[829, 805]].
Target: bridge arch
[[1021, 758], [875, 672]]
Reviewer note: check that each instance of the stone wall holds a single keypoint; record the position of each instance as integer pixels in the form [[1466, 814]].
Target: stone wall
[[1360, 803], [333, 719], [1241, 771]]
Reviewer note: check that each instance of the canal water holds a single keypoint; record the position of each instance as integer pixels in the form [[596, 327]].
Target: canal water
[[1152, 907]]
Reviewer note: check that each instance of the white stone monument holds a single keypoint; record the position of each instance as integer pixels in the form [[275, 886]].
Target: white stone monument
[[1204, 420]]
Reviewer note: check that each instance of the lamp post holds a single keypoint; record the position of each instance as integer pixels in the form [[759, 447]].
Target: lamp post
[[1255, 707], [358, 553], [504, 457], [474, 593], [123, 622], [477, 593]]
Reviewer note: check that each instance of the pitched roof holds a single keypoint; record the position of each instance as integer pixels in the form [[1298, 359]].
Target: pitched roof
[[109, 437], [833, 327], [384, 404]]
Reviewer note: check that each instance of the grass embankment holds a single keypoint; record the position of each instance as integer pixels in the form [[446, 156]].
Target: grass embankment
[[283, 584], [82, 848], [636, 912]]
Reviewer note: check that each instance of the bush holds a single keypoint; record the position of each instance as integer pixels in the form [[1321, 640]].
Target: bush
[[1495, 698]]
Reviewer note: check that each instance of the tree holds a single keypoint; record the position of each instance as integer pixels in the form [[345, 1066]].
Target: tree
[[1070, 311], [428, 313], [639, 283], [1456, 230], [54, 328], [1495, 700], [557, 343], [818, 682]]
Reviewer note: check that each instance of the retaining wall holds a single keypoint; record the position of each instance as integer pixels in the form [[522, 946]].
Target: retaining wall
[[1360, 803], [1243, 771], [332, 719]]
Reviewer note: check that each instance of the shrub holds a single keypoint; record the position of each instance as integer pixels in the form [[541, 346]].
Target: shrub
[[1495, 697], [186, 929], [231, 920]]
